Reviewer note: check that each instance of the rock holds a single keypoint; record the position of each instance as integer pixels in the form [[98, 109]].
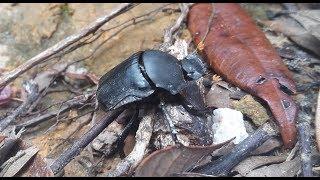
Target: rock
[[27, 28], [251, 108]]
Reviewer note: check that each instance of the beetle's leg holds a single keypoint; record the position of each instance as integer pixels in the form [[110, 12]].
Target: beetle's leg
[[170, 124], [125, 131], [192, 98]]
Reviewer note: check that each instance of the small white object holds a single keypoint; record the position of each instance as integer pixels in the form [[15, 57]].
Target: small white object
[[76, 69], [3, 56], [228, 123], [179, 49]]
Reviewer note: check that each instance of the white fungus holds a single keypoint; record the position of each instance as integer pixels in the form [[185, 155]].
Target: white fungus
[[227, 124]]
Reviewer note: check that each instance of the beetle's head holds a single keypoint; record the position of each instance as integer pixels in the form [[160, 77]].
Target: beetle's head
[[193, 66]]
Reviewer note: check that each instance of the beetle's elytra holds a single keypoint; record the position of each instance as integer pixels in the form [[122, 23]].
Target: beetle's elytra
[[141, 74]]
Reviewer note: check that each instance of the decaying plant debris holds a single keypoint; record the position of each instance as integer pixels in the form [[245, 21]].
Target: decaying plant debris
[[52, 125]]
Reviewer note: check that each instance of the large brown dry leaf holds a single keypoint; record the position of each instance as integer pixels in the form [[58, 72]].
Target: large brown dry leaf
[[285, 169], [253, 162], [173, 160], [239, 51]]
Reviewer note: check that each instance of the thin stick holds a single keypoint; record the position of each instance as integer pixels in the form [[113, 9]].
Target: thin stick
[[317, 122], [101, 31], [293, 152], [305, 149], [43, 56], [77, 147], [32, 90], [168, 34], [69, 104], [224, 165], [207, 30]]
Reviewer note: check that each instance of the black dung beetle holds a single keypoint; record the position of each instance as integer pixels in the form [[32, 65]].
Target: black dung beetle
[[146, 72]]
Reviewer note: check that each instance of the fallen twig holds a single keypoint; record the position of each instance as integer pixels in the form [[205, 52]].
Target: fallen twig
[[75, 102], [317, 122], [168, 34], [54, 72], [118, 144], [78, 127], [43, 56], [224, 164], [293, 152], [143, 137], [305, 148], [32, 90], [81, 143]]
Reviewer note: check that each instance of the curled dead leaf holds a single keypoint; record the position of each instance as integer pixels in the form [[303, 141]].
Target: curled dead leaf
[[285, 169], [173, 160], [253, 162], [22, 160], [267, 146]]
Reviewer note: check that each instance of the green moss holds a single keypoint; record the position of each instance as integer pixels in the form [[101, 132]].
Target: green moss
[[66, 10], [252, 108], [256, 10]]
